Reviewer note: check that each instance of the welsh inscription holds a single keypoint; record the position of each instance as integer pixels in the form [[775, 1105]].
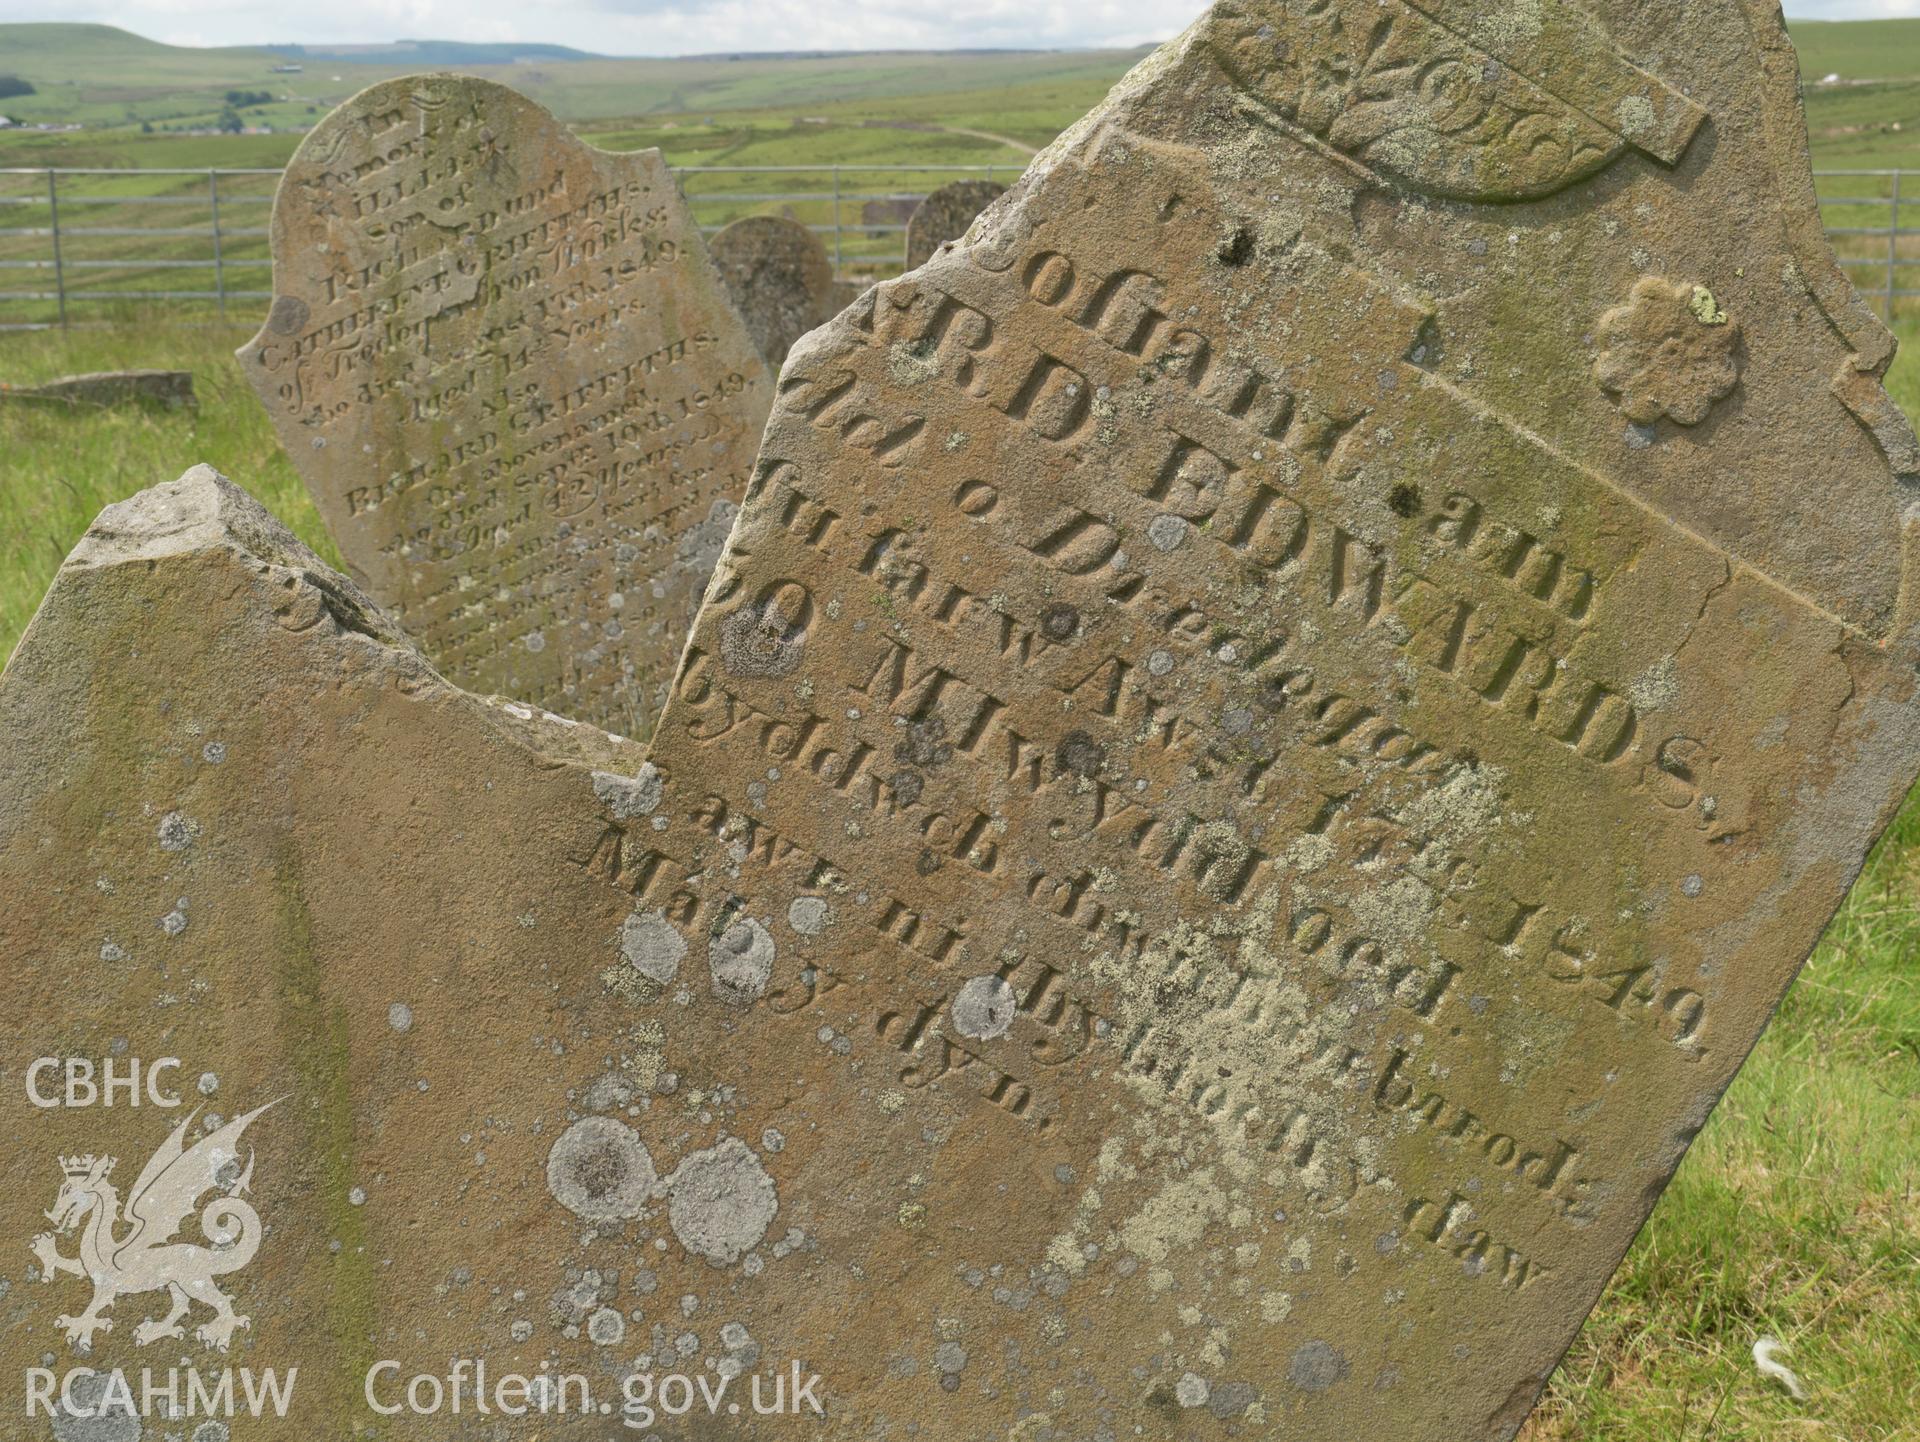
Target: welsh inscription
[[1287, 837]]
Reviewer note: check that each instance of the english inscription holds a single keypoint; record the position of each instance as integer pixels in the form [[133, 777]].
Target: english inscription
[[510, 376]]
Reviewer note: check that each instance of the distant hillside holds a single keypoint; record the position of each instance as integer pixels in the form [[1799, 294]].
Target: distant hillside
[[117, 84], [63, 54], [103, 77], [429, 54], [1858, 49]]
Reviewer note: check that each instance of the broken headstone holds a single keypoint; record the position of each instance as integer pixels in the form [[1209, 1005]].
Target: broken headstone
[[309, 1061], [515, 386]]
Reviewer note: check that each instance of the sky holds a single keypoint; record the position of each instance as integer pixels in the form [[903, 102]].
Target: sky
[[680, 27]]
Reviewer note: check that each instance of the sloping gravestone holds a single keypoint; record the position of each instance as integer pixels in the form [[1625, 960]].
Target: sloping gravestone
[[946, 215], [172, 389], [1274, 727], [513, 382], [780, 279]]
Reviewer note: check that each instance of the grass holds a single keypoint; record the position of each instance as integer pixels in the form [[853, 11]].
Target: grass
[[1858, 49], [1796, 1215], [58, 466]]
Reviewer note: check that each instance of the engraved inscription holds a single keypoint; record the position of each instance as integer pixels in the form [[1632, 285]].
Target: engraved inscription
[[1252, 775], [504, 365]]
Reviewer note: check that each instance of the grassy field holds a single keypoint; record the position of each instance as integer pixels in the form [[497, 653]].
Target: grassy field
[[852, 112], [1797, 1213], [942, 115], [110, 80]]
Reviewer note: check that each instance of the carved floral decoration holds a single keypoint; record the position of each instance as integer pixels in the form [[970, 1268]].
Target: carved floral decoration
[[1669, 351], [1385, 85]]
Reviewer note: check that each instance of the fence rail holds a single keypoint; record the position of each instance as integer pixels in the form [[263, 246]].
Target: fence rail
[[76, 241]]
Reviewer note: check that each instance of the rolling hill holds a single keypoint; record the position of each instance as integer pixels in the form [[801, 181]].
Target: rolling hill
[[100, 76], [1858, 49]]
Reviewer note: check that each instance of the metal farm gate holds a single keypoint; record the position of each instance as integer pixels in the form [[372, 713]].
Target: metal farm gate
[[79, 245]]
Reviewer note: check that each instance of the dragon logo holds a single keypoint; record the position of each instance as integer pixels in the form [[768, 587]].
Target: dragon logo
[[121, 1255]]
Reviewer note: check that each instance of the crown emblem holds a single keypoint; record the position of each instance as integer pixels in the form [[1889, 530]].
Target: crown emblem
[[83, 1166]]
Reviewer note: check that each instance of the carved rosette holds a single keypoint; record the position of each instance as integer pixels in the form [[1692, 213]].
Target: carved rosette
[[1669, 351]]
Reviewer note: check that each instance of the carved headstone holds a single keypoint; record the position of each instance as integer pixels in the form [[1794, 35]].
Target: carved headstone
[[780, 279], [1278, 722], [946, 215], [513, 382], [1267, 739]]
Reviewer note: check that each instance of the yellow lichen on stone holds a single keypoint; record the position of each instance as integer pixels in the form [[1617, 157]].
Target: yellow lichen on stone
[[1705, 308]]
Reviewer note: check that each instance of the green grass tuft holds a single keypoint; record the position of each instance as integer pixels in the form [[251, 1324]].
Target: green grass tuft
[[60, 466]]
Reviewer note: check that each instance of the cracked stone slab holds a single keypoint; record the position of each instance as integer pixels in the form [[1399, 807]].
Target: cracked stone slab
[[255, 851], [1327, 664]]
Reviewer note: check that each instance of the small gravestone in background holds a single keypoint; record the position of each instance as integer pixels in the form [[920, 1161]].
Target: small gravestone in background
[[780, 279], [514, 383], [945, 215], [171, 389]]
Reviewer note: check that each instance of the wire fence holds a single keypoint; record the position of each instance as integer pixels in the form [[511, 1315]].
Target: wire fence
[[82, 245], [79, 245]]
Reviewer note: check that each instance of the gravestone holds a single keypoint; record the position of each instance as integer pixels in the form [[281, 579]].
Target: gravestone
[[1276, 723], [171, 389], [780, 279], [331, 915], [946, 215], [1268, 737], [512, 380]]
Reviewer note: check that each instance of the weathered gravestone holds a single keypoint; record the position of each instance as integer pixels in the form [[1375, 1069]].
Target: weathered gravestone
[[946, 215], [172, 389], [257, 854], [513, 381], [780, 279], [1276, 725], [1266, 741]]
